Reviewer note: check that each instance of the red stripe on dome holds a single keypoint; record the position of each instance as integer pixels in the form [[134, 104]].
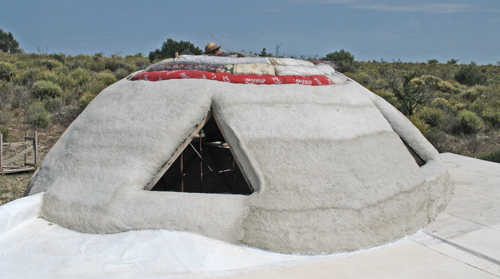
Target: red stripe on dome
[[226, 77]]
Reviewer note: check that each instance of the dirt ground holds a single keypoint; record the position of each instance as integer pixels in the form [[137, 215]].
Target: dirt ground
[[12, 186]]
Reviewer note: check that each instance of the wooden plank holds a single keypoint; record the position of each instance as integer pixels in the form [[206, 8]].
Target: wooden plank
[[1, 152], [22, 169], [15, 144], [35, 148], [6, 162], [178, 152]]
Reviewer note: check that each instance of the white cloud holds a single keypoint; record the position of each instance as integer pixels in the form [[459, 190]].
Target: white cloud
[[413, 23], [441, 8]]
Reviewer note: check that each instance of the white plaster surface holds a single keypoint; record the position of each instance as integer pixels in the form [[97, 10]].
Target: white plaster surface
[[463, 242], [330, 170]]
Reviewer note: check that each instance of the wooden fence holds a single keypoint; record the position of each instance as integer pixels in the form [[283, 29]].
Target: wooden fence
[[6, 165]]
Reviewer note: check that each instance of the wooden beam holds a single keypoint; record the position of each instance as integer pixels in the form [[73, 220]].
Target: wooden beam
[[15, 144], [7, 170], [1, 152], [18, 155], [35, 148], [178, 152]]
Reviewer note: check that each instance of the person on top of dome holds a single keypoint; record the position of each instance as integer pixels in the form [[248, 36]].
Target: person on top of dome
[[213, 49]]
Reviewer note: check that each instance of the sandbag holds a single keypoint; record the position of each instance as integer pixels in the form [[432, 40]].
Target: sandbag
[[205, 59], [249, 69], [326, 69], [184, 66], [226, 77], [297, 71], [290, 62]]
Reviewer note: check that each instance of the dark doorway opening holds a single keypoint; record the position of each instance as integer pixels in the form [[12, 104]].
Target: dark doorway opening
[[206, 165]]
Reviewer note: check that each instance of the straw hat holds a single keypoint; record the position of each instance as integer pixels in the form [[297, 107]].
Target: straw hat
[[211, 47]]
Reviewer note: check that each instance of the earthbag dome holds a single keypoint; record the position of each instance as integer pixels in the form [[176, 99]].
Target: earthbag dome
[[299, 160]]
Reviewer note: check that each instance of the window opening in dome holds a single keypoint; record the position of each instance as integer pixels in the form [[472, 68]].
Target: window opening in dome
[[204, 163]]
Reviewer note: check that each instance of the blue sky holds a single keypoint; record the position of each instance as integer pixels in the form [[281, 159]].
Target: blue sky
[[371, 30]]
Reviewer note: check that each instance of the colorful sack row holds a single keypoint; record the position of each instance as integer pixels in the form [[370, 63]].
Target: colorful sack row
[[226, 77]]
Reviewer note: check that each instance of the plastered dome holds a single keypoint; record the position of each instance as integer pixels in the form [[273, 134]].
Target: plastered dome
[[291, 168]]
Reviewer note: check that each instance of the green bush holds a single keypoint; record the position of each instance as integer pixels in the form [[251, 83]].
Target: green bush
[[492, 115], [38, 116], [85, 100], [121, 73], [94, 86], [51, 64], [492, 156], [7, 71], [107, 78], [58, 57], [431, 116], [170, 47], [470, 123], [46, 89], [4, 132], [81, 76], [441, 103], [470, 75], [419, 123], [52, 104], [344, 61]]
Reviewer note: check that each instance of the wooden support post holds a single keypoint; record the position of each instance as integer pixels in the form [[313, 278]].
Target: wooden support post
[[177, 153], [35, 148], [26, 154], [1, 152]]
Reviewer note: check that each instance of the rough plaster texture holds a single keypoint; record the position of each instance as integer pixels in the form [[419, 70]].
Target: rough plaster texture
[[328, 165]]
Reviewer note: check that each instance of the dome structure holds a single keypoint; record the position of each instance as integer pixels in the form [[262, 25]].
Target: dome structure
[[290, 168]]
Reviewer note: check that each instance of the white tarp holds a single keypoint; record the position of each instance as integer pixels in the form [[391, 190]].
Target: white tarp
[[461, 243]]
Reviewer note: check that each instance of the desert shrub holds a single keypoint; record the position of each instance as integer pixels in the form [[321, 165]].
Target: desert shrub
[[492, 115], [4, 132], [436, 137], [97, 65], [470, 75], [81, 76], [38, 116], [121, 73], [51, 64], [470, 123], [478, 106], [493, 156], [459, 106], [94, 86], [44, 89], [58, 57], [30, 75], [7, 71], [419, 123], [446, 87], [431, 116], [107, 78], [441, 103], [67, 97], [85, 100], [388, 96], [52, 104], [170, 47], [470, 95], [344, 61]]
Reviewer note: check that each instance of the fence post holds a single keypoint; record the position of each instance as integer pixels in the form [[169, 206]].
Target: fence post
[[1, 152], [35, 147]]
